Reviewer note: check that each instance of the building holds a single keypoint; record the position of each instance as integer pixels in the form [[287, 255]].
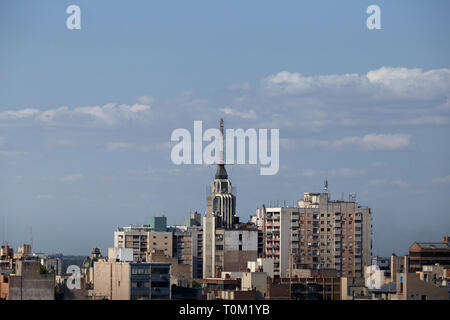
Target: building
[[317, 234], [354, 289], [255, 281], [52, 264], [29, 283], [120, 254], [134, 237], [131, 280], [87, 268], [262, 265], [23, 252], [180, 274], [311, 288], [411, 287], [194, 220], [231, 249], [227, 245], [160, 240], [436, 274], [221, 202], [188, 249], [429, 253]]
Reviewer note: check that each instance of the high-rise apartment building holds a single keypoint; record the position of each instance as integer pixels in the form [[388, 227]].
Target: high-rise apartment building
[[317, 234]]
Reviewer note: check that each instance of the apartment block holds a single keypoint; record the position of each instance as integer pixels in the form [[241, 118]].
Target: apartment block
[[188, 249], [160, 240], [134, 237], [429, 253], [317, 234], [131, 280]]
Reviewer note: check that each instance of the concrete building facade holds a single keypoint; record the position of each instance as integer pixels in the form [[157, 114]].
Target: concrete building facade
[[429, 253], [317, 234], [131, 280], [29, 284]]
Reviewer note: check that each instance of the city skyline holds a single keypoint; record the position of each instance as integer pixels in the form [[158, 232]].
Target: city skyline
[[86, 115]]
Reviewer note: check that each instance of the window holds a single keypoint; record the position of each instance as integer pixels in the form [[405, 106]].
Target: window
[[240, 247]]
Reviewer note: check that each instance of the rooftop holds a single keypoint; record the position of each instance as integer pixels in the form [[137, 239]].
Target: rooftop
[[433, 245]]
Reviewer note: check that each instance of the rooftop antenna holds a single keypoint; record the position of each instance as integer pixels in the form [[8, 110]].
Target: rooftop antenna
[[4, 232], [221, 161], [31, 237]]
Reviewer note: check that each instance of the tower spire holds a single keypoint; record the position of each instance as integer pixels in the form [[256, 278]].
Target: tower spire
[[221, 160]]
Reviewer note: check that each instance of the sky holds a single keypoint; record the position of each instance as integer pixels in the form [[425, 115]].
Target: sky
[[86, 115]]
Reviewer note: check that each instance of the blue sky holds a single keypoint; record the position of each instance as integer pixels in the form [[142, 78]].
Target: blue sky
[[86, 115]]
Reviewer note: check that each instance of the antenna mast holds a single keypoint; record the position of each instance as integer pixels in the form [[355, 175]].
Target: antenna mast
[[221, 161]]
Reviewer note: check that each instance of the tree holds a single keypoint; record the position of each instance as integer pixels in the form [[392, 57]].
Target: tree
[[43, 270]]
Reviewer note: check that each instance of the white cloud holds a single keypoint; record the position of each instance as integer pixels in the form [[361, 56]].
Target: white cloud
[[386, 81], [386, 141], [19, 114], [445, 179], [109, 114], [400, 183], [251, 114], [386, 97], [371, 141]]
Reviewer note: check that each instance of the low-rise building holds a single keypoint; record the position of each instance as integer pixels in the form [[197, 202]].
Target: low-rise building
[[131, 280], [429, 253], [29, 284], [255, 281]]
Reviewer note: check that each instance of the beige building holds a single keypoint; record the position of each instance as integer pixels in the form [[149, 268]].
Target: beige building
[[131, 280], [255, 281], [411, 287], [262, 265], [160, 241], [188, 249], [180, 274]]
